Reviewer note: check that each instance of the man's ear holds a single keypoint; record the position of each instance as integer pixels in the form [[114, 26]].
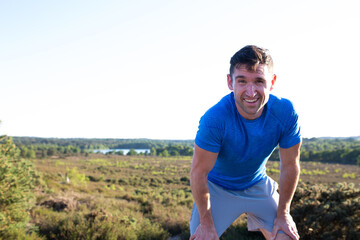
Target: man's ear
[[229, 82], [273, 82]]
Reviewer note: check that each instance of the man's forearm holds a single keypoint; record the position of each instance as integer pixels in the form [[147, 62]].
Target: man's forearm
[[201, 195], [289, 177], [203, 162]]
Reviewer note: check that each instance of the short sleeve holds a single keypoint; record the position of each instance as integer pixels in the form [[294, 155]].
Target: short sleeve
[[210, 134], [291, 134]]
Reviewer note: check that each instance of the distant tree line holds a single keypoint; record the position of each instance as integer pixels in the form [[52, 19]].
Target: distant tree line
[[342, 156], [330, 150], [43, 150], [173, 150], [166, 151], [34, 147], [101, 143]]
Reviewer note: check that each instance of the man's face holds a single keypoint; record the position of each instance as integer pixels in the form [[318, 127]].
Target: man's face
[[251, 89]]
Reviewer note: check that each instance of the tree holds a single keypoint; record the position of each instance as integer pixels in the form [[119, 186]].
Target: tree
[[7, 147], [165, 153], [51, 151], [153, 151], [17, 181], [121, 153], [132, 152], [30, 154]]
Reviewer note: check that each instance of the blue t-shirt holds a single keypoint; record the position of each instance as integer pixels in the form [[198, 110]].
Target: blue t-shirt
[[244, 146]]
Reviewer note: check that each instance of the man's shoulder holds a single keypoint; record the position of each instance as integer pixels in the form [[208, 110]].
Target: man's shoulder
[[219, 114], [222, 108], [281, 109], [283, 112], [279, 105]]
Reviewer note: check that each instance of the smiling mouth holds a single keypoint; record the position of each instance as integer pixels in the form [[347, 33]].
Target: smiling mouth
[[251, 100]]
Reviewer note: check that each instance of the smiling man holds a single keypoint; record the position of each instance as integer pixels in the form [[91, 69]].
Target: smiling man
[[235, 139]]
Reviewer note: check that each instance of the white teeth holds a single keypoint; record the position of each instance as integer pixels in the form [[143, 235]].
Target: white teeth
[[250, 101]]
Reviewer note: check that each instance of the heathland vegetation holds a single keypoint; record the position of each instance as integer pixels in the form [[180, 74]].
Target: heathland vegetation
[[77, 194]]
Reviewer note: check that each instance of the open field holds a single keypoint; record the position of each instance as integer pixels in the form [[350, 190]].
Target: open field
[[138, 197], [321, 173]]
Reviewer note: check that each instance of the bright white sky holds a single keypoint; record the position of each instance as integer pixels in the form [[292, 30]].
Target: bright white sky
[[150, 69]]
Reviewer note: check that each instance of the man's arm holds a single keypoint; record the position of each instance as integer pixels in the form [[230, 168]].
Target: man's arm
[[289, 177], [203, 162]]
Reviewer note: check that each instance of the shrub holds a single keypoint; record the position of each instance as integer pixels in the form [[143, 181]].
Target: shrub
[[327, 213], [151, 231], [76, 177], [349, 175], [93, 178], [96, 224]]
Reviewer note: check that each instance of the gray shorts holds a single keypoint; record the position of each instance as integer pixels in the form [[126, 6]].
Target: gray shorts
[[259, 202]]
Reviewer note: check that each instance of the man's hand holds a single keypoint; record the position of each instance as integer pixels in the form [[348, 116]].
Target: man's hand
[[204, 232], [286, 224]]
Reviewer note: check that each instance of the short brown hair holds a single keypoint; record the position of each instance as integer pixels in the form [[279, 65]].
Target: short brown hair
[[251, 56]]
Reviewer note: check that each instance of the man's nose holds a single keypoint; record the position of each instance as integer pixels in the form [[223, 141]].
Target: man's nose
[[251, 91]]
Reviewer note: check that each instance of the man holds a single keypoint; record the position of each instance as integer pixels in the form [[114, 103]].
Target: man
[[234, 141]]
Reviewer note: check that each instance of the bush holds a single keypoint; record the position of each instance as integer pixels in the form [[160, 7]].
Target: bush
[[96, 224], [76, 177], [327, 213]]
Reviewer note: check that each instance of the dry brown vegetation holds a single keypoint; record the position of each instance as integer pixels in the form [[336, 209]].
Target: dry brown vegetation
[[137, 197]]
